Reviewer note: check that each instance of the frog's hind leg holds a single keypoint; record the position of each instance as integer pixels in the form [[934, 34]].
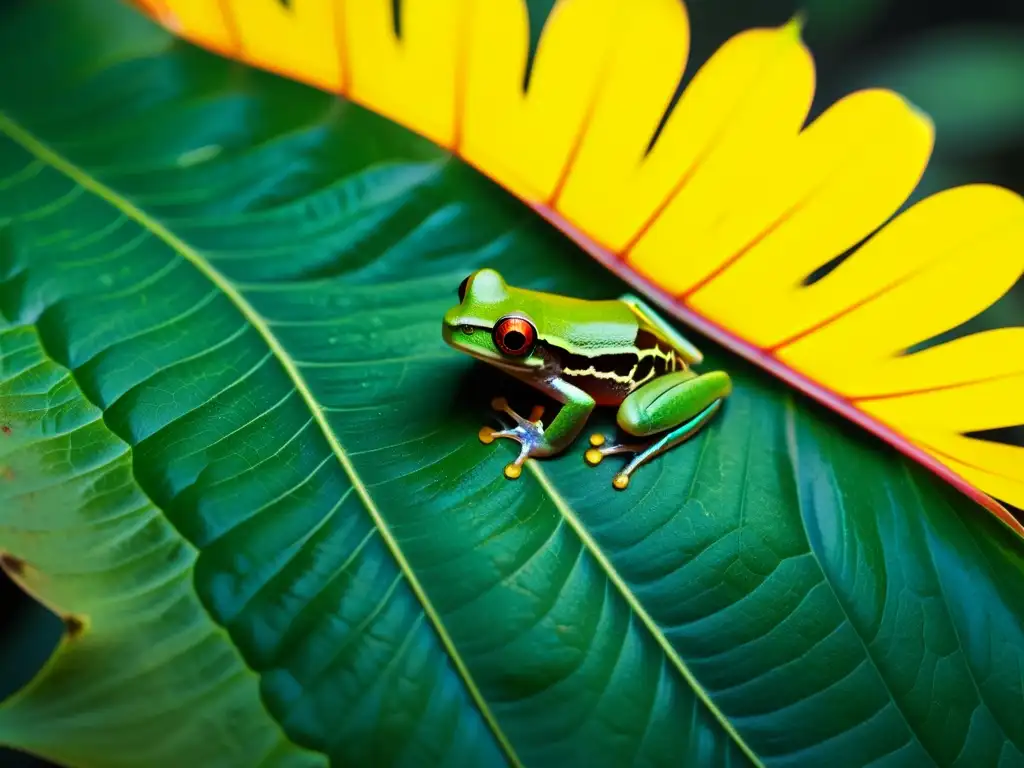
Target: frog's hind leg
[[644, 452], [674, 407], [670, 440]]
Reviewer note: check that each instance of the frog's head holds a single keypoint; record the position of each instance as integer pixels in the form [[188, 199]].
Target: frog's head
[[488, 324]]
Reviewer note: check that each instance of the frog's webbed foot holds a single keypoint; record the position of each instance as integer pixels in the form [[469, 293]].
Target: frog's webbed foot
[[599, 449], [529, 433], [644, 452]]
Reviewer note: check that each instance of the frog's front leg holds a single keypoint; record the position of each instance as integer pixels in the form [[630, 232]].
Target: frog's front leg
[[678, 404], [533, 437]]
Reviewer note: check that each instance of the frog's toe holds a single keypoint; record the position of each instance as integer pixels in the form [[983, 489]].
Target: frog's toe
[[488, 435], [515, 469], [530, 437], [595, 454], [600, 448], [501, 405]]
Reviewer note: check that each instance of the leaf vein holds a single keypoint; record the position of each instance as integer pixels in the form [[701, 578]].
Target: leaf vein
[[631, 599], [87, 182]]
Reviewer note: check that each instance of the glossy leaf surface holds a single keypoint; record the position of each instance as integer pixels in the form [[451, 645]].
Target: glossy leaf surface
[[238, 457]]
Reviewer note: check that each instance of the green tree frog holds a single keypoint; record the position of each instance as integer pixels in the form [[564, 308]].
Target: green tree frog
[[583, 354]]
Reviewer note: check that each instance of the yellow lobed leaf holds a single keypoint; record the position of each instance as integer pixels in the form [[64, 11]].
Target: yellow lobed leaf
[[752, 94], [303, 45], [412, 81]]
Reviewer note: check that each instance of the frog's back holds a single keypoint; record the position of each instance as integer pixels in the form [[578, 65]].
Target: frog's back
[[603, 347], [580, 326]]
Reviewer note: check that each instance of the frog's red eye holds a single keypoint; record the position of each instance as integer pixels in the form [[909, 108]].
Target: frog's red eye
[[515, 336], [462, 289]]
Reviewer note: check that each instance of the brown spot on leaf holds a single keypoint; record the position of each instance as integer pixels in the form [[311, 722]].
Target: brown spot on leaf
[[6, 473], [73, 626], [13, 565], [6, 429]]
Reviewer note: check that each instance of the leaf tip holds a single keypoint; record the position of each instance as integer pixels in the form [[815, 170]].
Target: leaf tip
[[796, 24], [74, 626]]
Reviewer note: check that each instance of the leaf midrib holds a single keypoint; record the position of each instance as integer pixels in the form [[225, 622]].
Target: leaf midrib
[[573, 520], [63, 165]]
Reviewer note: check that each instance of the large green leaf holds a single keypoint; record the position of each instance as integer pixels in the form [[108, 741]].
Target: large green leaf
[[239, 460]]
